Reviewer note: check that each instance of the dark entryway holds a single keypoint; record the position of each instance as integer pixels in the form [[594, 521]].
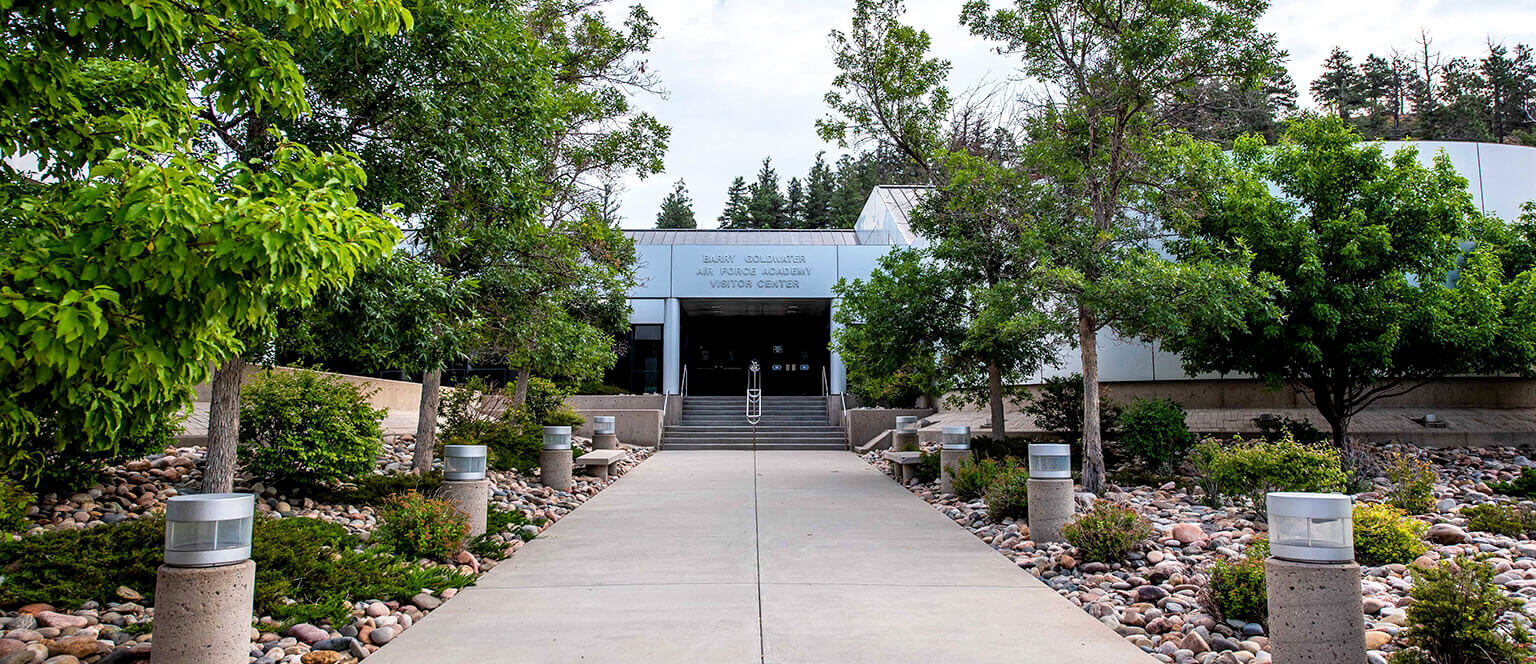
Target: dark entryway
[[788, 338]]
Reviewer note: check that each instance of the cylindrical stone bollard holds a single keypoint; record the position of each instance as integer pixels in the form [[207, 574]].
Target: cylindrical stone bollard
[[555, 460], [905, 438], [1050, 507], [203, 614], [1051, 502], [956, 446], [205, 591], [470, 498], [1314, 612], [603, 435], [1312, 580]]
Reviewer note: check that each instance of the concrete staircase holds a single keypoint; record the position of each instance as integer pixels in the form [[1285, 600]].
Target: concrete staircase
[[720, 423]]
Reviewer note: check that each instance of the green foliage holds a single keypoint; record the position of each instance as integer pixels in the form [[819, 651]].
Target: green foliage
[[67, 568], [1506, 519], [71, 468], [1007, 495], [419, 527], [972, 475], [564, 417], [1384, 535], [374, 489], [304, 428], [1523, 486], [135, 256], [1302, 431], [676, 209], [1455, 615], [14, 502], [1235, 589], [497, 522], [1107, 532], [475, 414], [1413, 484], [1377, 294], [1153, 431], [927, 467], [1057, 406], [1251, 469]]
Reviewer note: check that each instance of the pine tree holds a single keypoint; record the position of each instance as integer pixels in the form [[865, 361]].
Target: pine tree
[[676, 209], [735, 213], [794, 204], [856, 177], [1509, 84], [816, 211], [1339, 87], [765, 202]]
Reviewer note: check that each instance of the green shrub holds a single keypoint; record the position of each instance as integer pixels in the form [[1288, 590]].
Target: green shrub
[[1505, 519], [972, 476], [1523, 486], [1413, 484], [420, 527], [1251, 469], [374, 489], [564, 417], [1258, 548], [927, 467], [1384, 535], [1203, 460], [1008, 495], [1455, 613], [1107, 532], [14, 502], [1234, 589], [476, 414], [1057, 406], [306, 428], [67, 568], [65, 467], [987, 447], [1153, 432]]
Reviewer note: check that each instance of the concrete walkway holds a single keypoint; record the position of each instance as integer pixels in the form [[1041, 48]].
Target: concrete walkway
[[733, 557]]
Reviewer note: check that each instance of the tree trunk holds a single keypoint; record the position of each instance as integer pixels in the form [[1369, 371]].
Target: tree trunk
[[426, 421], [223, 427], [995, 400], [1093, 443], [520, 392]]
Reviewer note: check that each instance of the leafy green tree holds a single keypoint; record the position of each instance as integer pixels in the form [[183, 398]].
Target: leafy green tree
[[1373, 301], [1118, 76], [136, 256], [735, 214], [676, 209], [967, 312]]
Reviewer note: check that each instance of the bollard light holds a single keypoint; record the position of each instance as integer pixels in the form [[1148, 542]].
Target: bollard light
[[602, 424], [557, 438], [906, 424], [464, 463], [1050, 461], [1311, 527], [208, 529], [957, 438]]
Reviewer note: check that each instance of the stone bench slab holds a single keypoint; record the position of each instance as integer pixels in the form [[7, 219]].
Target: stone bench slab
[[904, 458], [601, 457]]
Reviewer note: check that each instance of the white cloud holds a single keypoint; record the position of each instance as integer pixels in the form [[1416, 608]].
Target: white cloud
[[746, 77]]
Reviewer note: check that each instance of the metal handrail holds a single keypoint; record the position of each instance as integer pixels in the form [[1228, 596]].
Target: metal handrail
[[826, 387], [754, 396], [684, 388]]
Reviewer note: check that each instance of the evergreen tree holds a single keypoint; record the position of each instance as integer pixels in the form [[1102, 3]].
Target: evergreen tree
[[1339, 88], [816, 211], [735, 213], [765, 202], [676, 209], [794, 204], [856, 178], [1509, 86]]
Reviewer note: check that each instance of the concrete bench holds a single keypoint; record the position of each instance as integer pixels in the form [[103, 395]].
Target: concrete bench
[[906, 462], [598, 462]]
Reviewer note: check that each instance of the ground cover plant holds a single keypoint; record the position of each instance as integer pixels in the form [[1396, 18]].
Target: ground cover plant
[[420, 527], [1501, 518], [1235, 589], [1454, 618], [1523, 486], [1007, 495], [972, 475]]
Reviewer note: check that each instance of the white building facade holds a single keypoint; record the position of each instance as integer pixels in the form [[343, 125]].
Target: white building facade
[[707, 303]]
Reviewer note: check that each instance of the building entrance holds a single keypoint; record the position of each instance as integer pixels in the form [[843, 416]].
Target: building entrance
[[790, 339]]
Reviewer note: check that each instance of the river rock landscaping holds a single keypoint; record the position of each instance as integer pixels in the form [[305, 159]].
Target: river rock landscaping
[[1153, 598], [118, 628]]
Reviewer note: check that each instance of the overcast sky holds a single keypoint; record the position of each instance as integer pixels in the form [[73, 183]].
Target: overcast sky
[[746, 77]]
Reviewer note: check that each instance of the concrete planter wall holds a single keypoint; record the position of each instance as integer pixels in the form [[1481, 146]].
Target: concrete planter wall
[[637, 418], [864, 424]]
